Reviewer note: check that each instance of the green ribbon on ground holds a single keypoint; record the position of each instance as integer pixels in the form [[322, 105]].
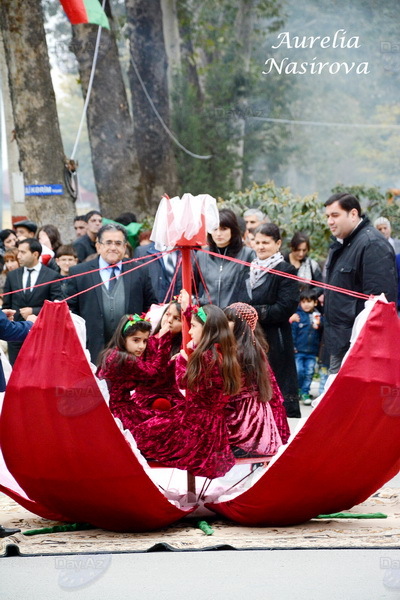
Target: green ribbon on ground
[[204, 526], [348, 515], [58, 528]]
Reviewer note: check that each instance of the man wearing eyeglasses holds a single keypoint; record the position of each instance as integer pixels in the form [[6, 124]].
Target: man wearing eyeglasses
[[123, 291]]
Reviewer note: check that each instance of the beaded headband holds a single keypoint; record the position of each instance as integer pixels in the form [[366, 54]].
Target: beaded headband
[[246, 312], [133, 319]]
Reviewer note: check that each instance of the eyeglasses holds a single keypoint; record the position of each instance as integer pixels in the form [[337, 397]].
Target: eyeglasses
[[110, 243]]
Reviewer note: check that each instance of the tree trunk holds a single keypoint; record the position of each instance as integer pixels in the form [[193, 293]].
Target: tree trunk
[[187, 50], [156, 159], [243, 27], [35, 114], [172, 40], [115, 164]]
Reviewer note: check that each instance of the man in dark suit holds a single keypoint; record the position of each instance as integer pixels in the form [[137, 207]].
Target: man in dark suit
[[30, 273], [103, 306], [161, 271]]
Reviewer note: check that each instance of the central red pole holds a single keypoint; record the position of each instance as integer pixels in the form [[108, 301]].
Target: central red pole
[[186, 285]]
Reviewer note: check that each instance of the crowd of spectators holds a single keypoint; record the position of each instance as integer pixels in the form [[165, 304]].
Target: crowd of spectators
[[300, 322], [362, 258], [282, 330]]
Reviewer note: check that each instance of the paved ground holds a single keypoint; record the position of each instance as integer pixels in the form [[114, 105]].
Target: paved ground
[[258, 575]]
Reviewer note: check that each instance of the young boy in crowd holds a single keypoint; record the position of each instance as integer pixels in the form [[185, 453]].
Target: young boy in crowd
[[66, 257], [306, 330]]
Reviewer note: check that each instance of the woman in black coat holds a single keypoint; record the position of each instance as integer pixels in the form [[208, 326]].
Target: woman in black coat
[[276, 298]]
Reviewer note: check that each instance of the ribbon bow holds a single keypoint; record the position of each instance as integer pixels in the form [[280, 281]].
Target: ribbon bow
[[199, 311], [133, 319]]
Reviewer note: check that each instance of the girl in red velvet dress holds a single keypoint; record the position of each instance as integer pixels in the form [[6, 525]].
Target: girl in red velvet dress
[[277, 401], [249, 415], [125, 366], [193, 435], [161, 391]]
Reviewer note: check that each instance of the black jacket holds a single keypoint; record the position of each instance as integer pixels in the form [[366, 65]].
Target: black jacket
[[157, 273], [224, 279], [84, 247], [365, 263], [37, 296], [276, 298]]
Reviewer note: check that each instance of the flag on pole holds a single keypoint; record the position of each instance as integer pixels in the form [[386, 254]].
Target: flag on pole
[[85, 11]]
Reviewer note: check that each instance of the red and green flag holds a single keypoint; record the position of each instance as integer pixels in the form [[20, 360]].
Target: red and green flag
[[85, 11]]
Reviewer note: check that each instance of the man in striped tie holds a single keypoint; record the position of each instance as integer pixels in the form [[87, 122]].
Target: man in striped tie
[[126, 289]]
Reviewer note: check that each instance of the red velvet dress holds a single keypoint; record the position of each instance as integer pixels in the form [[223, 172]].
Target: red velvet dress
[[193, 435], [251, 424], [123, 379], [162, 384], [278, 410]]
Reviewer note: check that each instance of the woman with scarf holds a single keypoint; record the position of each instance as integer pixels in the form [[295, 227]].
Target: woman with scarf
[[305, 266], [276, 298]]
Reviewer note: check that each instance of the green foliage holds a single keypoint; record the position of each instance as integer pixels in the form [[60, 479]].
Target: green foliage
[[366, 195], [379, 154], [200, 127], [228, 59], [289, 211], [330, 153]]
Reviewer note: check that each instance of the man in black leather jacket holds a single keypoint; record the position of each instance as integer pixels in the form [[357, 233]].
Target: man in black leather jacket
[[361, 260]]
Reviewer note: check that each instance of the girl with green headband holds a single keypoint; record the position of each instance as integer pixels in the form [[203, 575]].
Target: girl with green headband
[[125, 364]]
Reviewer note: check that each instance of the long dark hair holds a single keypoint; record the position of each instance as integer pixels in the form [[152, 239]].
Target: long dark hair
[[299, 238], [252, 355], [118, 340], [4, 234], [227, 218], [177, 338], [218, 338], [53, 234]]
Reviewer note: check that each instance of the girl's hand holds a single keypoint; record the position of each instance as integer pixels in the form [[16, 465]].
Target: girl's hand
[[164, 329], [175, 356], [164, 323], [184, 299], [183, 353]]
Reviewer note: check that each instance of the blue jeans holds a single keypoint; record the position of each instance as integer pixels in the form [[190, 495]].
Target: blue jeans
[[305, 365], [323, 376]]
